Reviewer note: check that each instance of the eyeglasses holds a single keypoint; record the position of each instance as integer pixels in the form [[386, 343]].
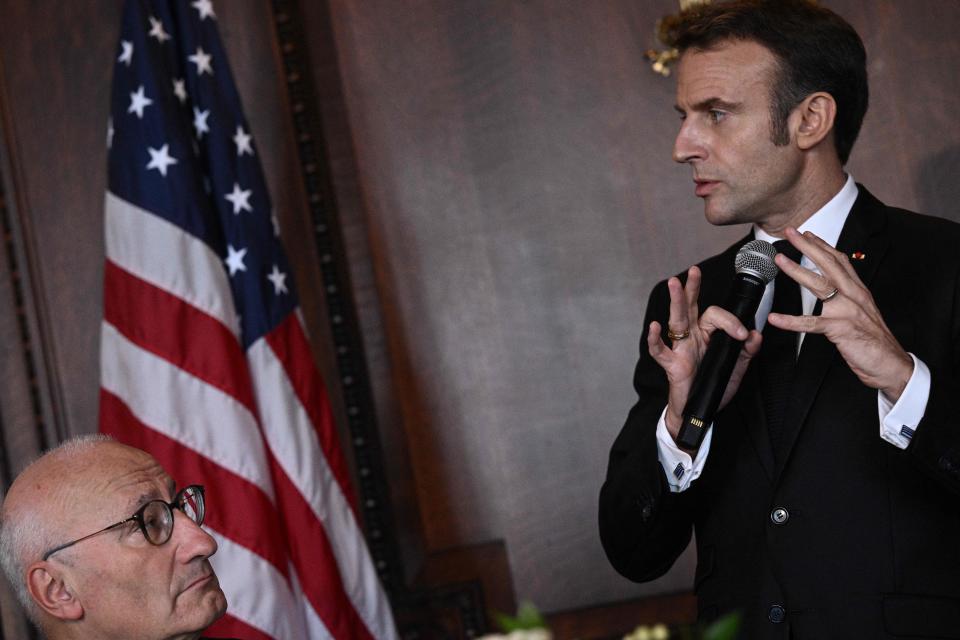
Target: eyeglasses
[[155, 518]]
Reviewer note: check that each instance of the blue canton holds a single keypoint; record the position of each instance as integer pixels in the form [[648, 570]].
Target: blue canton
[[180, 148]]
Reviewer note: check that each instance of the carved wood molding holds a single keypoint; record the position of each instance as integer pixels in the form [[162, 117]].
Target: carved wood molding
[[30, 400], [26, 341], [447, 612], [17, 278], [455, 592], [617, 619], [27, 412], [440, 605], [304, 113], [353, 379]]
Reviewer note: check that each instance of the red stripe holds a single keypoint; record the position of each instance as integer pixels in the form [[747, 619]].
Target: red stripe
[[315, 563], [230, 627], [240, 510], [178, 332], [291, 348], [309, 550], [174, 330]]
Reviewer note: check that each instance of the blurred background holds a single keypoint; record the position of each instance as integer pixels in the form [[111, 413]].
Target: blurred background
[[491, 185]]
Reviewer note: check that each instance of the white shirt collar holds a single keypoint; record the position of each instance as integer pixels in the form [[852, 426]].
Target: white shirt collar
[[828, 221], [827, 224]]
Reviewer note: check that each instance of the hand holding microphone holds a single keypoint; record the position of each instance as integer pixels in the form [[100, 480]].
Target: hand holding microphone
[[705, 367]]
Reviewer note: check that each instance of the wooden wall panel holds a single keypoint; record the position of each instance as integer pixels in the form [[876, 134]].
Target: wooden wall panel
[[53, 115], [514, 165], [910, 146], [56, 61]]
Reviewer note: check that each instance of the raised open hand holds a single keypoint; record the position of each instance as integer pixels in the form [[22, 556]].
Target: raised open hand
[[690, 332], [850, 318]]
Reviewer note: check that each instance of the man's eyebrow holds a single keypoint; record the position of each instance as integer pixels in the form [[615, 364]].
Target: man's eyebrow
[[135, 504], [150, 495], [711, 103]]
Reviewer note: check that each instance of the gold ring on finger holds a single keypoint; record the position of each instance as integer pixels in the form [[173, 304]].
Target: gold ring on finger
[[677, 335], [830, 296]]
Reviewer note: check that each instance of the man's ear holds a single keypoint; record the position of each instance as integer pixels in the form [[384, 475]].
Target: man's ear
[[48, 588], [816, 115]]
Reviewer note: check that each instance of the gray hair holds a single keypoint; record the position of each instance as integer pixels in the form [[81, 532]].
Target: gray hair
[[25, 534]]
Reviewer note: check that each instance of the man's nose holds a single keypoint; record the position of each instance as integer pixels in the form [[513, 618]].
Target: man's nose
[[190, 538], [688, 146]]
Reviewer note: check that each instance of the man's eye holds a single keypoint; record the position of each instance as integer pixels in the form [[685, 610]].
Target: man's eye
[[153, 523], [716, 116]]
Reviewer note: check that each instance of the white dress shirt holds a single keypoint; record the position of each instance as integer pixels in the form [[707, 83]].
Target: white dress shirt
[[898, 421]]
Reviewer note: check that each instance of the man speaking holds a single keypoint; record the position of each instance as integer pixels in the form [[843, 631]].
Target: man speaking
[[824, 493]]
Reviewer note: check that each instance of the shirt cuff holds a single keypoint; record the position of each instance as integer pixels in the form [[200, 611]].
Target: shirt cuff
[[680, 468], [898, 422]]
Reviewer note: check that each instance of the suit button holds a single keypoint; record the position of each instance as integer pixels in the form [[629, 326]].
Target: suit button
[[777, 614], [779, 515], [946, 464], [646, 510]]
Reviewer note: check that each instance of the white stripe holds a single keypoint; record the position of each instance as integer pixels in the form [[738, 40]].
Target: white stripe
[[183, 407], [165, 255], [257, 593], [294, 443], [315, 627], [314, 623]]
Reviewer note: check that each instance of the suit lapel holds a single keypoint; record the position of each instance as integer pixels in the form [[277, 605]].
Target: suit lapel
[[863, 235], [749, 403]]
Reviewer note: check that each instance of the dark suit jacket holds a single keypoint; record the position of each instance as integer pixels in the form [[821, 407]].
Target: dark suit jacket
[[871, 544]]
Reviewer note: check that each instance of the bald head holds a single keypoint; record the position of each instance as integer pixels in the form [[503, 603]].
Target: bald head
[[32, 515], [66, 483], [66, 498]]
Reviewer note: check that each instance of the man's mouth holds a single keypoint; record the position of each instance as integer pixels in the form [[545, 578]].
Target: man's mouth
[[704, 187], [200, 582]]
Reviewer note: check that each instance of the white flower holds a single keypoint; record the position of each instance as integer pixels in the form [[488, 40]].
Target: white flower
[[640, 633], [521, 634], [660, 632], [656, 632], [531, 634]]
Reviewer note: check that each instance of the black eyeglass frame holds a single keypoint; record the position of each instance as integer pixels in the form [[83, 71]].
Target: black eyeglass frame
[[176, 504]]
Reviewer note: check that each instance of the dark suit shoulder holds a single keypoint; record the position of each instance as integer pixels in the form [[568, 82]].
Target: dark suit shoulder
[[923, 244], [930, 229], [903, 225]]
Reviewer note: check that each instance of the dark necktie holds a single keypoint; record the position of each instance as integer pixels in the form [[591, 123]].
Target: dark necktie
[[778, 355]]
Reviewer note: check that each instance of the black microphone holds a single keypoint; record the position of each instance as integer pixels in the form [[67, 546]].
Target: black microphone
[[755, 267]]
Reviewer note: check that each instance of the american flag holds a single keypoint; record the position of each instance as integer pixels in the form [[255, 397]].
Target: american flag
[[204, 359]]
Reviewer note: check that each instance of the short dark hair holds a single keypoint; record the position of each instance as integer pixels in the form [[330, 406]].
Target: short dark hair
[[816, 50]]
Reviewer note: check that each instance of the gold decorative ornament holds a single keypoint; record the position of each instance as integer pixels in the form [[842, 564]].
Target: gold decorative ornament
[[661, 60]]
